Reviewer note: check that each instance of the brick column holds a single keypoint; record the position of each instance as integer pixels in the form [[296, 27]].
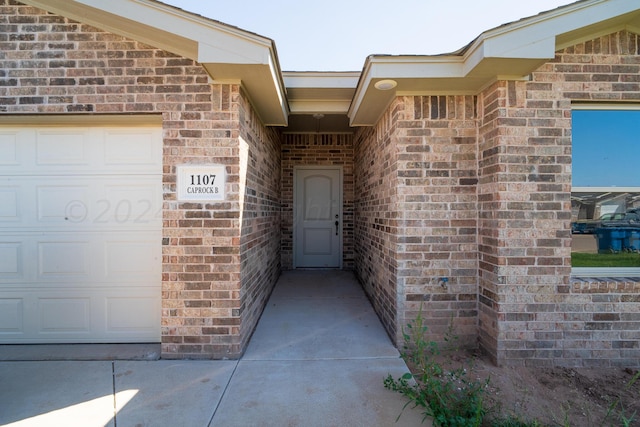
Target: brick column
[[201, 310], [437, 223], [525, 208]]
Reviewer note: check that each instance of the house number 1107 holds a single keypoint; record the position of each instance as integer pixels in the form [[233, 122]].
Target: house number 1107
[[203, 179], [201, 182]]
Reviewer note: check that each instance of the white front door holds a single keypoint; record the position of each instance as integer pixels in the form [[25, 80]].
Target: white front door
[[318, 217]]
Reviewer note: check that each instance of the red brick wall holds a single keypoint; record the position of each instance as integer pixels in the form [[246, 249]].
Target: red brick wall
[[478, 191], [376, 214], [417, 215], [414, 212], [532, 312], [201, 257], [312, 150], [437, 169], [525, 210], [219, 264], [260, 167]]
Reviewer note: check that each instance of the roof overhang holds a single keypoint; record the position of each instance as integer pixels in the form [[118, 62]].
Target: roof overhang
[[319, 101], [336, 102], [228, 54], [509, 52]]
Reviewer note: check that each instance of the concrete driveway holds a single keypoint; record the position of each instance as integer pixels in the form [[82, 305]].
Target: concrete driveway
[[318, 358]]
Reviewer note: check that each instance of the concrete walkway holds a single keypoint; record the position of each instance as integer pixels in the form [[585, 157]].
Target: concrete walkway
[[318, 358]]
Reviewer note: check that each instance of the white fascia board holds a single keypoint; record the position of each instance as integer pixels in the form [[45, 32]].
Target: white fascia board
[[534, 37], [530, 41], [239, 46], [363, 85], [321, 80], [361, 89], [474, 56], [170, 21], [207, 41], [325, 106], [316, 91], [605, 189], [169, 18], [411, 67], [543, 49], [404, 67], [232, 51], [281, 91]]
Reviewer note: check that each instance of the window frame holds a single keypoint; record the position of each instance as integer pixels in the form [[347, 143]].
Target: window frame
[[600, 272]]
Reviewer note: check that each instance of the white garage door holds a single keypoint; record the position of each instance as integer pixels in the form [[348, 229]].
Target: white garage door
[[80, 234]]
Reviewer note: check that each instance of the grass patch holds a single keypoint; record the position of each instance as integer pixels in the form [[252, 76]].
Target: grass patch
[[579, 259]]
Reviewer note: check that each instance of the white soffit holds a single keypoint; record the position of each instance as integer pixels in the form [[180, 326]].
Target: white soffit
[[508, 52], [227, 53], [320, 92]]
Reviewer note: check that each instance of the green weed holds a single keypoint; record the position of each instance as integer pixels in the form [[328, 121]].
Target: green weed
[[446, 394], [616, 413]]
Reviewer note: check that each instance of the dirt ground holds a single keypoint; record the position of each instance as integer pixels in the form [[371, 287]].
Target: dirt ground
[[566, 397], [577, 397]]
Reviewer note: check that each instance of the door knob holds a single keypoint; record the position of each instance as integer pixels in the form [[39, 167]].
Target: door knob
[[337, 225]]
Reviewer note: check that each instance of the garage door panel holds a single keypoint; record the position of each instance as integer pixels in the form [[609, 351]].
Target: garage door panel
[[33, 259], [131, 259], [131, 147], [80, 259], [136, 206], [63, 147], [56, 202], [64, 315], [123, 314], [11, 260], [107, 151], [9, 148], [76, 315], [11, 316], [80, 234], [9, 195], [64, 260], [51, 203], [17, 202]]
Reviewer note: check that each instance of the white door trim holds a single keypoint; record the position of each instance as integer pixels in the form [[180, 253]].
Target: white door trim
[[340, 170]]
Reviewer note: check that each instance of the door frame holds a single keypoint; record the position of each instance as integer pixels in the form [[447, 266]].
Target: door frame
[[340, 170]]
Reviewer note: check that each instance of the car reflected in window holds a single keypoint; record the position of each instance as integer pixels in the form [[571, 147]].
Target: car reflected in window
[[621, 219]]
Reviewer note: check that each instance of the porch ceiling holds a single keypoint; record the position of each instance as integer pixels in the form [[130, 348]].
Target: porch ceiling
[[319, 101]]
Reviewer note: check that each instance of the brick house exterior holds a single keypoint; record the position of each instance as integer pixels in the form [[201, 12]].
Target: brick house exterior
[[472, 187], [482, 188]]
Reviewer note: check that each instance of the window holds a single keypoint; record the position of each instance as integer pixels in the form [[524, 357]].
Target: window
[[605, 196]]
